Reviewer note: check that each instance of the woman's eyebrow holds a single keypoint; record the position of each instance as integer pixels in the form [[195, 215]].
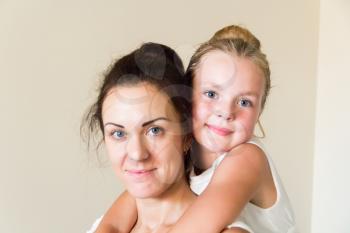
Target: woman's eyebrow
[[110, 123], [143, 125], [156, 119]]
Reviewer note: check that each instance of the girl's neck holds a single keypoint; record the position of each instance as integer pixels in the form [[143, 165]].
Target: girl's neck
[[202, 158], [163, 211]]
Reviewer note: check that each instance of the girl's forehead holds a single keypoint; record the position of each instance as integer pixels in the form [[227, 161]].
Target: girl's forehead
[[225, 71], [216, 66]]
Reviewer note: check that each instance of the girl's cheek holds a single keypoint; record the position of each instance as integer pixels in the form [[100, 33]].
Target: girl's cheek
[[201, 110], [247, 119]]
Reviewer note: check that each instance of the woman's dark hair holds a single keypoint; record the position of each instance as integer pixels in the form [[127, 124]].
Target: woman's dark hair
[[152, 63]]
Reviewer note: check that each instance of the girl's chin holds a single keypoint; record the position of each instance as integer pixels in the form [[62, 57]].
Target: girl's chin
[[217, 148]]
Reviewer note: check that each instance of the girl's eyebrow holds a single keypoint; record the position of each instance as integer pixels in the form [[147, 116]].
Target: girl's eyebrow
[[247, 93], [143, 125], [253, 94], [213, 85]]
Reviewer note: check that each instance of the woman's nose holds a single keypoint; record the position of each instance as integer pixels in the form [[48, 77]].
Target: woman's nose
[[136, 149]]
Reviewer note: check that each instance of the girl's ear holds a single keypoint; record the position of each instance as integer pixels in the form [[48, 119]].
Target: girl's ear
[[261, 130]]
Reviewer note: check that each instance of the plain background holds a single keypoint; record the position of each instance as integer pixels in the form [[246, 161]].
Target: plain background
[[53, 53]]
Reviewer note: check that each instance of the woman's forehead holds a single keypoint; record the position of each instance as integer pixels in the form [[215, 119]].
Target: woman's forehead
[[142, 101]]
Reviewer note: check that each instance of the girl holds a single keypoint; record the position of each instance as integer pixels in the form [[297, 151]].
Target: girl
[[233, 175]]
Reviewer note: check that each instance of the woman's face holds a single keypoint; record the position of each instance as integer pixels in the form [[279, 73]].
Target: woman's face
[[227, 95], [143, 138]]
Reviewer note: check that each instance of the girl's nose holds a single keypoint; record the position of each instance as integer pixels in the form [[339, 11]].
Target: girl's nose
[[225, 110], [136, 149]]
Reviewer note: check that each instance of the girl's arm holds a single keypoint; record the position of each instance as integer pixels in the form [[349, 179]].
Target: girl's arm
[[234, 183], [121, 216]]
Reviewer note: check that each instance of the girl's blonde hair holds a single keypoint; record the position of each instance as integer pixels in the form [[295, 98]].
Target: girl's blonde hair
[[238, 41]]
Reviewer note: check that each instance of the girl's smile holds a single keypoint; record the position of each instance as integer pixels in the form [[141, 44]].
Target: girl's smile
[[219, 130]]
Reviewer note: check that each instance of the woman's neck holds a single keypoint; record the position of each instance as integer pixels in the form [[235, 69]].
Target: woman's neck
[[163, 211]]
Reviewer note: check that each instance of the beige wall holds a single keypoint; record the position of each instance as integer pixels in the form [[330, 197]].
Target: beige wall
[[331, 178], [51, 54]]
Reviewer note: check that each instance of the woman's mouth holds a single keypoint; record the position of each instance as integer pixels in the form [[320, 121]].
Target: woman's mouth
[[219, 130], [139, 173]]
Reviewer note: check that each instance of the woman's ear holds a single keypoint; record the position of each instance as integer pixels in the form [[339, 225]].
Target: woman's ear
[[187, 142]]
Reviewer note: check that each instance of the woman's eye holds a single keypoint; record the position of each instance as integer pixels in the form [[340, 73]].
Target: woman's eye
[[118, 134], [210, 94], [154, 131], [245, 103]]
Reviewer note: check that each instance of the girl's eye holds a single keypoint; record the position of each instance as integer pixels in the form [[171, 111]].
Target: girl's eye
[[154, 131], [118, 134], [245, 103], [211, 94]]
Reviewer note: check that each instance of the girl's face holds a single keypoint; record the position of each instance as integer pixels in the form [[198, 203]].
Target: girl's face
[[143, 139], [227, 94]]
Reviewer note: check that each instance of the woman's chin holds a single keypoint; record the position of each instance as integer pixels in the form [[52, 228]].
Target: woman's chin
[[143, 193]]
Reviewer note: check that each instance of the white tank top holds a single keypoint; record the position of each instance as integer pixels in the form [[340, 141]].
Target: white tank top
[[278, 218]]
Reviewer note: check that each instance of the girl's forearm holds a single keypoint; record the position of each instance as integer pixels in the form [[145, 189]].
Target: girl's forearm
[[121, 216]]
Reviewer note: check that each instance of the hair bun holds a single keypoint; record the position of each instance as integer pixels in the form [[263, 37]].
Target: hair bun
[[236, 32]]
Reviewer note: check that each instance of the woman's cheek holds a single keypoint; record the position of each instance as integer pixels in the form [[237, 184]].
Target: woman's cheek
[[115, 153]]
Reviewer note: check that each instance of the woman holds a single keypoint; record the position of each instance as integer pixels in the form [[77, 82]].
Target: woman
[[143, 113]]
